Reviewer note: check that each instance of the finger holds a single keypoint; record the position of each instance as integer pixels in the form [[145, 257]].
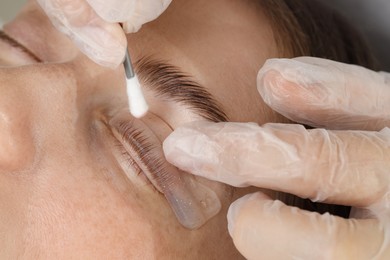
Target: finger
[[132, 13], [145, 11], [114, 11], [348, 168], [103, 42], [324, 93], [265, 229]]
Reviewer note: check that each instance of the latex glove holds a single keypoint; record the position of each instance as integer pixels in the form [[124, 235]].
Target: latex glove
[[334, 166], [93, 24]]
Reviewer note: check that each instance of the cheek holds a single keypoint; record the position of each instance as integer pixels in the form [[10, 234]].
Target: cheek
[[33, 110], [80, 212]]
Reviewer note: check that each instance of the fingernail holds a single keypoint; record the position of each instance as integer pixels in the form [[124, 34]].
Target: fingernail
[[133, 26], [190, 150], [279, 79], [165, 3], [233, 213], [270, 83], [303, 70], [235, 210], [290, 69]]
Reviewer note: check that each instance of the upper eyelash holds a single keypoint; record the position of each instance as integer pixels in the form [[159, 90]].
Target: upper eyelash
[[14, 43], [143, 148], [142, 145], [127, 158]]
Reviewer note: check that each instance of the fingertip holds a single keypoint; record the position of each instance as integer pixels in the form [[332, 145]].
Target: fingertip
[[288, 88], [185, 148], [245, 223], [272, 86], [108, 53], [270, 81], [279, 93], [132, 27], [168, 145], [111, 62], [239, 206], [233, 214], [165, 3]]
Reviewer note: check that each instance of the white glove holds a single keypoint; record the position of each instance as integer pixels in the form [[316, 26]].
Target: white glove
[[347, 167], [94, 27]]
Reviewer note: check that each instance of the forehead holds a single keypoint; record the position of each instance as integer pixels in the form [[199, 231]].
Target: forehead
[[221, 43]]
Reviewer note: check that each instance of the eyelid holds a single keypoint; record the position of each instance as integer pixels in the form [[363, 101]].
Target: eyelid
[[140, 145], [192, 202], [20, 47]]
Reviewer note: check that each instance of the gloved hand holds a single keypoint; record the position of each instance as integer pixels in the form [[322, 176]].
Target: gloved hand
[[347, 167], [93, 24]]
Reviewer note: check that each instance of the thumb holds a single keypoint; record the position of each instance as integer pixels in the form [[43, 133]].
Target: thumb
[[262, 228], [103, 42], [325, 93]]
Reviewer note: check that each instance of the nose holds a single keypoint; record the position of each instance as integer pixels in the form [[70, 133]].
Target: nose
[[31, 101], [42, 107], [16, 142], [16, 147]]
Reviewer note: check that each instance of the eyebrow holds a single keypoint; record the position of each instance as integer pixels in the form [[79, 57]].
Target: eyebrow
[[8, 39], [169, 82]]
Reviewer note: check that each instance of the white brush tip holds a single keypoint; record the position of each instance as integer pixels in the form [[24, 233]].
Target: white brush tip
[[137, 103]]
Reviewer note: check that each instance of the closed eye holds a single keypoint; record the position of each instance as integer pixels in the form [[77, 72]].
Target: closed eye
[[15, 44]]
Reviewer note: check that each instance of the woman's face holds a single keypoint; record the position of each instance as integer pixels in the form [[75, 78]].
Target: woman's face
[[68, 187]]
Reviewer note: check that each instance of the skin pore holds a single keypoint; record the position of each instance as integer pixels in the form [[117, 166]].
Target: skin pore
[[65, 191]]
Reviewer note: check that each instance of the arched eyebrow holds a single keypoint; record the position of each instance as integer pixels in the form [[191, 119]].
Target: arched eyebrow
[[169, 82], [166, 80], [12, 42]]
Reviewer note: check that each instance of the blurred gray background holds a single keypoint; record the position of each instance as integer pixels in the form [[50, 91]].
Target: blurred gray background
[[8, 8], [372, 17]]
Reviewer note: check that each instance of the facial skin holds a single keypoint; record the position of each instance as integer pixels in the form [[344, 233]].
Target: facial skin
[[62, 191]]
